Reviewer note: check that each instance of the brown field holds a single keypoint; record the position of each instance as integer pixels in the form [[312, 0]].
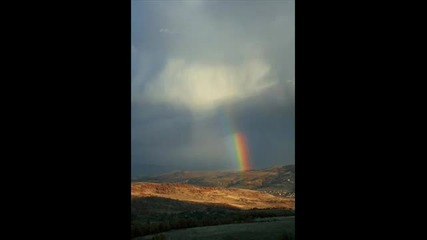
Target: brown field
[[240, 198], [276, 179]]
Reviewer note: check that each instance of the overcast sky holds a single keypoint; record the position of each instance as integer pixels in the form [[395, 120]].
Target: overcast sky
[[203, 70]]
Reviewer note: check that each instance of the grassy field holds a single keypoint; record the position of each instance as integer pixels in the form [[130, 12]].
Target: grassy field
[[235, 197], [269, 229]]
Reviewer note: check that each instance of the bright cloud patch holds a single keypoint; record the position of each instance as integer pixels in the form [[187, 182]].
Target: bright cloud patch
[[205, 86]]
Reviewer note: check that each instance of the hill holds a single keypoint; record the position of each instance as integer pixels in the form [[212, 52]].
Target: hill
[[276, 180], [233, 197]]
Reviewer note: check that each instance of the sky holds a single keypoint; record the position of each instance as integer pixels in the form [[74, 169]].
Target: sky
[[203, 71]]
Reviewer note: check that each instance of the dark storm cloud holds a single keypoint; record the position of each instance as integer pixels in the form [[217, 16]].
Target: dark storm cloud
[[191, 60]]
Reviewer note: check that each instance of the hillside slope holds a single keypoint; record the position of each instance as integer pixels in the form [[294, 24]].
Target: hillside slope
[[239, 198], [270, 179]]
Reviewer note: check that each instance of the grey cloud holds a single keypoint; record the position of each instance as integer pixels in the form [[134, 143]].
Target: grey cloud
[[193, 59]]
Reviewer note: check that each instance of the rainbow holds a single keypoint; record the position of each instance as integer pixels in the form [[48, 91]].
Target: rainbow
[[238, 145], [242, 153]]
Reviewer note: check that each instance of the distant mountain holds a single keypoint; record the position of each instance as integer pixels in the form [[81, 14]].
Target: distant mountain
[[275, 180], [232, 197]]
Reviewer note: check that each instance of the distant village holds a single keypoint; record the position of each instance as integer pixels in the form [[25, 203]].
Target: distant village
[[280, 193]]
